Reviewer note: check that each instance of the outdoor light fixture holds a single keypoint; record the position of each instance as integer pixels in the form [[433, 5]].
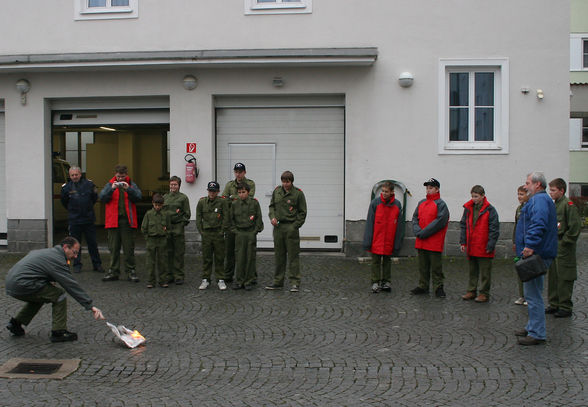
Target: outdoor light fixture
[[405, 79], [540, 94], [190, 82], [278, 82], [23, 86]]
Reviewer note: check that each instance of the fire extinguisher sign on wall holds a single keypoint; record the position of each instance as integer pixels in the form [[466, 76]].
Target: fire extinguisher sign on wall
[[191, 148]]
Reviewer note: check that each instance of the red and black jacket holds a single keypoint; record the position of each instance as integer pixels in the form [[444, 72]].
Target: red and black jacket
[[429, 223], [111, 196], [480, 239], [381, 230]]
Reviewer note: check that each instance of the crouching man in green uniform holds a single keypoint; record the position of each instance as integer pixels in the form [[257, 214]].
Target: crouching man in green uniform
[[212, 221], [287, 212], [33, 279], [246, 223], [177, 205], [563, 271]]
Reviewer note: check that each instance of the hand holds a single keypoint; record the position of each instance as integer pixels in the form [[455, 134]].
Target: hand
[[462, 248], [178, 210], [97, 313], [124, 185], [274, 222], [527, 252]]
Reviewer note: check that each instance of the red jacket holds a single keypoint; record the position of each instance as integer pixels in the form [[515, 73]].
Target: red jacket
[[382, 223], [429, 223], [111, 196], [480, 239]]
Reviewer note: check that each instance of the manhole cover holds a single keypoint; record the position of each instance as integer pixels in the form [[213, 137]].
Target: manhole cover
[[18, 368], [36, 368]]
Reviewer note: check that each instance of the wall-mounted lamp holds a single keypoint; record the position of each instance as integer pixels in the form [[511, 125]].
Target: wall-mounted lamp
[[525, 90], [189, 82], [278, 82], [540, 94], [23, 86], [405, 79]]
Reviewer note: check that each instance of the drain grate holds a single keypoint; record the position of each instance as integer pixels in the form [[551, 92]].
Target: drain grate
[[36, 368], [18, 368]]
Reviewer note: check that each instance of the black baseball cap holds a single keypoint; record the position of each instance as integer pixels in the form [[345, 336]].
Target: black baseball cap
[[432, 182], [213, 186], [239, 167]]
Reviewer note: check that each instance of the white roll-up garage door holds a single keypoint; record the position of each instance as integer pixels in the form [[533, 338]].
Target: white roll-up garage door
[[303, 135], [3, 221]]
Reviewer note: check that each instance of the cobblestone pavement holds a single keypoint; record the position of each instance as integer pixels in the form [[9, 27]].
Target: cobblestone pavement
[[332, 344]]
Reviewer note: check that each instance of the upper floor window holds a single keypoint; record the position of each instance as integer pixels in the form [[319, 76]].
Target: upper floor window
[[585, 132], [278, 6], [585, 54], [473, 109], [105, 9]]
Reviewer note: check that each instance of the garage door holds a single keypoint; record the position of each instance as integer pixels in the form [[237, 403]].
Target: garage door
[[307, 140], [3, 221]]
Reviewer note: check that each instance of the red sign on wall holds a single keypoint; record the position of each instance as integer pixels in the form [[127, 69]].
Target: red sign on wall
[[191, 148]]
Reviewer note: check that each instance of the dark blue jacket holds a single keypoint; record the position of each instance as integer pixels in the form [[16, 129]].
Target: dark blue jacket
[[537, 226], [79, 199]]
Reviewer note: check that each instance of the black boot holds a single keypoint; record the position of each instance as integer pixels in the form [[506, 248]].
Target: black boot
[[63, 335], [15, 327]]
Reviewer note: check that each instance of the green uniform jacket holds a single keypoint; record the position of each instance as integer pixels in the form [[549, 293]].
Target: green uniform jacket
[[212, 214], [173, 202], [41, 267], [569, 226], [156, 224], [246, 216], [230, 190], [288, 206]]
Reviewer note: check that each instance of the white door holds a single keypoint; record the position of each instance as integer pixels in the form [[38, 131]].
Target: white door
[[309, 141], [3, 221]]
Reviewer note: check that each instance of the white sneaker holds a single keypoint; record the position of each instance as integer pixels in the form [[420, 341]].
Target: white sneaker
[[204, 285], [520, 301], [221, 285], [375, 288]]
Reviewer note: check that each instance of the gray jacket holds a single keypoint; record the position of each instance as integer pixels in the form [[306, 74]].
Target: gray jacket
[[42, 267]]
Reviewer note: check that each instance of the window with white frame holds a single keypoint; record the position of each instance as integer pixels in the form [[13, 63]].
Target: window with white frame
[[473, 107], [584, 132], [105, 9], [278, 6], [585, 45]]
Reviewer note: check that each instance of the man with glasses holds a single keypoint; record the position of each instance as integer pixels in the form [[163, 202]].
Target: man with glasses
[[33, 280]]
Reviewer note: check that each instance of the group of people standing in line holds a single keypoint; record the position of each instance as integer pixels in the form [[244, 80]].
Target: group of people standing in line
[[229, 224], [547, 225]]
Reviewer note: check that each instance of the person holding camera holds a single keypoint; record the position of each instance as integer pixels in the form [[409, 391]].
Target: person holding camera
[[120, 195]]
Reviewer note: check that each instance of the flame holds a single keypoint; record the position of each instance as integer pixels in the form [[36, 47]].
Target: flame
[[137, 335]]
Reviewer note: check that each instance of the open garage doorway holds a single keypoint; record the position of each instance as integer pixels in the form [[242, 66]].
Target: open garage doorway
[[96, 141]]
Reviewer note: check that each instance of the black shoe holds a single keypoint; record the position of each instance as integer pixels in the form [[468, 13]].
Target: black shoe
[[419, 291], [529, 341], [77, 269], [562, 313], [249, 287], [386, 286], [550, 310], [63, 336], [179, 281], [274, 287], [439, 292], [99, 269], [110, 277], [521, 332], [133, 277], [15, 327], [254, 282], [238, 286]]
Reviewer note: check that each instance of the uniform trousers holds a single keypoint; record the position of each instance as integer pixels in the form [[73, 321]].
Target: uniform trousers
[[245, 256], [89, 231], [381, 268], [480, 268], [176, 249], [55, 295], [430, 266], [287, 251], [156, 247], [123, 236], [559, 288], [213, 253]]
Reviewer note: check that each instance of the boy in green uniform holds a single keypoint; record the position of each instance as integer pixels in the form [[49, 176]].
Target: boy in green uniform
[[246, 223], [155, 228], [177, 205], [562, 271], [212, 222], [287, 211], [230, 192]]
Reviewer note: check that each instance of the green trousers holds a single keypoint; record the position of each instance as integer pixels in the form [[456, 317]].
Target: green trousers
[[213, 254], [381, 268], [430, 266], [123, 236], [55, 295], [229, 256], [287, 251], [176, 248], [480, 268], [559, 290], [157, 260], [245, 256]]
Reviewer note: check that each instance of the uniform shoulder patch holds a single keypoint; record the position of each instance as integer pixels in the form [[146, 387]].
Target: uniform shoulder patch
[[63, 185], [571, 203], [299, 189]]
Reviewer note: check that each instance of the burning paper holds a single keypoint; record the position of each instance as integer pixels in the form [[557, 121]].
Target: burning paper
[[131, 338]]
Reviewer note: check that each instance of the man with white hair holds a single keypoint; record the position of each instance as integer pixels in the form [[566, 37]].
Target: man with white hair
[[536, 233]]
